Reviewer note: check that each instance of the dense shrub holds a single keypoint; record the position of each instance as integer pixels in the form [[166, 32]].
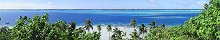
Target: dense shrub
[[205, 26], [37, 28]]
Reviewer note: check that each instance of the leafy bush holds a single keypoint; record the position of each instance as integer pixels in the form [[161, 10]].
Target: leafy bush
[[37, 28], [205, 26]]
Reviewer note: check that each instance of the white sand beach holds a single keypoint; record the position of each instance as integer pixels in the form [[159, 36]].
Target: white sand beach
[[105, 34]]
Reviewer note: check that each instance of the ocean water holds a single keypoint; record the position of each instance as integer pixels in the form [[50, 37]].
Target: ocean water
[[170, 17]]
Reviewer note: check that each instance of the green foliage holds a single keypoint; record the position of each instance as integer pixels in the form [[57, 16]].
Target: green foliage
[[153, 24], [37, 28], [133, 23], [205, 26], [88, 24], [109, 28], [4, 33], [99, 28], [173, 33], [135, 35], [163, 26], [118, 34], [80, 34], [73, 25], [142, 29]]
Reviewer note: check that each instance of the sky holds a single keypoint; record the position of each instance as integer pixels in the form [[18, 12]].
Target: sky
[[102, 4]]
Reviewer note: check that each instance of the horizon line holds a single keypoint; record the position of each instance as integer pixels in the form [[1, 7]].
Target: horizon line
[[101, 9]]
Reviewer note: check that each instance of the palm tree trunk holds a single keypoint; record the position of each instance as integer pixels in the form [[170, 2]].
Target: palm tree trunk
[[143, 35], [109, 36]]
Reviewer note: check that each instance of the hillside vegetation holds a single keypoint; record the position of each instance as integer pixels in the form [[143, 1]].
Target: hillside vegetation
[[205, 26]]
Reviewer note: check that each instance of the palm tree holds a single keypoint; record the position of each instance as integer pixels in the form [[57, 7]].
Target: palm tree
[[163, 26], [25, 17], [118, 34], [99, 28], [88, 24], [109, 30], [133, 23], [134, 35], [206, 6], [0, 18], [73, 25], [153, 24], [45, 17], [142, 29], [145, 30]]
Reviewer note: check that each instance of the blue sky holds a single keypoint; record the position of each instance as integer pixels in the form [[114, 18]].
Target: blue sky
[[102, 4]]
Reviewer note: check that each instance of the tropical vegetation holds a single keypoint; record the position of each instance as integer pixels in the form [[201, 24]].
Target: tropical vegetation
[[205, 26]]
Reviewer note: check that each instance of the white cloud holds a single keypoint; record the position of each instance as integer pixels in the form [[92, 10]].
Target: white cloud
[[23, 6], [49, 3], [152, 1], [201, 2]]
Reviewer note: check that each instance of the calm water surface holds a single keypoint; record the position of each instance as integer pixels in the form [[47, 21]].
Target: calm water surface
[[104, 16]]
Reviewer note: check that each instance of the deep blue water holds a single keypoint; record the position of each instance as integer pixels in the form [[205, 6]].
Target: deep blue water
[[101, 16]]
